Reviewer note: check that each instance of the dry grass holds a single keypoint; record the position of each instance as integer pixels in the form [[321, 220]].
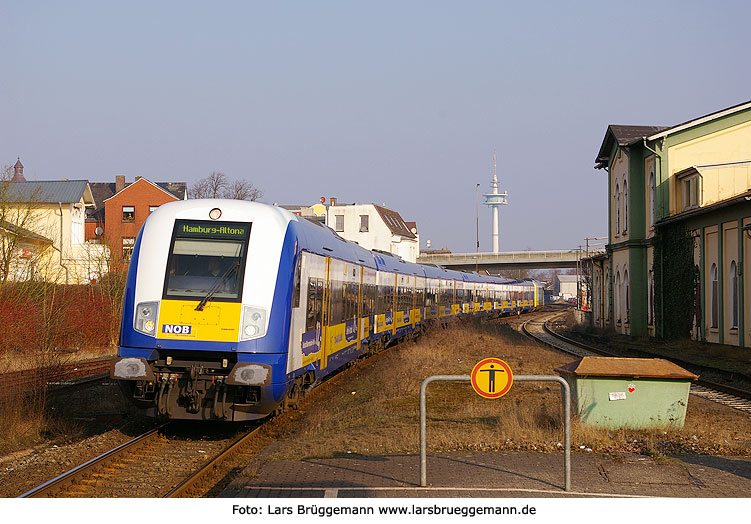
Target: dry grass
[[25, 421], [33, 359], [373, 408]]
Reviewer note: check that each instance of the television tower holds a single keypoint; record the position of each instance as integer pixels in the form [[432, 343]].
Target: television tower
[[495, 200]]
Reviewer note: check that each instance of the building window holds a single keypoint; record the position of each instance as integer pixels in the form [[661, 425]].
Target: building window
[[152, 209], [626, 297], [607, 294], [651, 297], [691, 188], [339, 223], [734, 293], [364, 223], [714, 298], [128, 243], [129, 214], [625, 206], [617, 209], [618, 298], [651, 200]]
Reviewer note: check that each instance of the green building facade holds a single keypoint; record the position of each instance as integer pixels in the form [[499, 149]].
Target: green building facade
[[679, 200]]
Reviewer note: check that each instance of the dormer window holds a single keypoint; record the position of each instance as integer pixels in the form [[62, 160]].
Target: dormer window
[[690, 185], [691, 192]]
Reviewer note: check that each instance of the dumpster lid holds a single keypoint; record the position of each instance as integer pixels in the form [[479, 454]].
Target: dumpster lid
[[625, 367]]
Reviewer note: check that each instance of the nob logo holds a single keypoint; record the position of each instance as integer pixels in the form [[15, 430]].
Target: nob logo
[[176, 329]]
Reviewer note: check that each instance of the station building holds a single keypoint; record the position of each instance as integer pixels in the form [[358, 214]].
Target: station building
[[695, 176]]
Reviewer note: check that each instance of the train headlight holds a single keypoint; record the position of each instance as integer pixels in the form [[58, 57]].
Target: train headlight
[[146, 316], [247, 374], [131, 368], [254, 323]]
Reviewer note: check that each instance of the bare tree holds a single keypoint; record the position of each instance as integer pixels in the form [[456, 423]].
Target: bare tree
[[20, 245], [242, 190], [216, 185], [210, 187]]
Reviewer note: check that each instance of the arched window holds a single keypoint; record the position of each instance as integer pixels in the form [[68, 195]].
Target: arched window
[[618, 297], [734, 293], [596, 297], [714, 298], [626, 301], [607, 294], [651, 297], [617, 209], [651, 199], [625, 206]]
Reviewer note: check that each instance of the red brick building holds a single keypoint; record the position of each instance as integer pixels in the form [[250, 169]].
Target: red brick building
[[123, 208]]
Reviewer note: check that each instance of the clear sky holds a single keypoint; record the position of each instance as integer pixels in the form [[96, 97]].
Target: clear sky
[[400, 103]]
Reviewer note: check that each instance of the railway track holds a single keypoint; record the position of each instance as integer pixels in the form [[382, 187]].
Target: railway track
[[161, 462], [539, 330], [54, 377], [158, 463]]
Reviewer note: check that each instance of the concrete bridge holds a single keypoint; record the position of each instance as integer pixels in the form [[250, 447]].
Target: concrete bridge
[[508, 259]]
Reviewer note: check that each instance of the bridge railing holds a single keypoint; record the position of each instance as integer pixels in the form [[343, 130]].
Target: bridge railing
[[563, 254]]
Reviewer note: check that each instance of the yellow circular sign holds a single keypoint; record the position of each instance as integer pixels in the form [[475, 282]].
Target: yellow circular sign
[[492, 378]]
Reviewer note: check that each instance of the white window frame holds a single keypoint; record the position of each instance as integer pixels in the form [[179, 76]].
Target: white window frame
[[691, 187]]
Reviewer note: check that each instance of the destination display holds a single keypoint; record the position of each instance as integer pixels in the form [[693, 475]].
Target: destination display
[[207, 229]]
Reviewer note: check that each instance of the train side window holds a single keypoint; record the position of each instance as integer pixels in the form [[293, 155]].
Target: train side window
[[296, 284], [310, 317]]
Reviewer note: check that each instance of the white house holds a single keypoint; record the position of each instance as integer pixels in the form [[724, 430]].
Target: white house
[[375, 227]]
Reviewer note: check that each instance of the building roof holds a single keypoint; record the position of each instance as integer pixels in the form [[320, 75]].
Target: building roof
[[623, 136], [104, 190], [628, 135], [696, 121], [395, 222], [567, 278], [742, 198], [51, 192], [625, 367], [22, 232]]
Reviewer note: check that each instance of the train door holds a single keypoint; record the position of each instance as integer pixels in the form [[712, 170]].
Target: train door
[[307, 315], [325, 314], [367, 319]]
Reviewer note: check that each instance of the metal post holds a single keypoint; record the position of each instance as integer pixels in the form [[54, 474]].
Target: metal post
[[565, 392], [477, 224]]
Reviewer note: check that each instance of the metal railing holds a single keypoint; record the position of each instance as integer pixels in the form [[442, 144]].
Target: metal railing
[[566, 398], [564, 254]]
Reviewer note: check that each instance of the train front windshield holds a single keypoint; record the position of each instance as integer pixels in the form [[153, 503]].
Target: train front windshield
[[206, 257]]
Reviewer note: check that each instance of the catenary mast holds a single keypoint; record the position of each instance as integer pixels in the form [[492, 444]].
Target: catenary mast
[[495, 200]]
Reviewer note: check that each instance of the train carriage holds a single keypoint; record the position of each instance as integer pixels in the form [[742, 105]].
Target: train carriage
[[232, 308]]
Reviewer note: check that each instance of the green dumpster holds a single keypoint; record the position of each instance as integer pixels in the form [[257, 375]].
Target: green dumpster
[[637, 393]]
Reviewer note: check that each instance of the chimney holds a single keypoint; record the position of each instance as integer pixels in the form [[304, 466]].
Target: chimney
[[119, 183], [18, 172], [332, 201], [138, 177]]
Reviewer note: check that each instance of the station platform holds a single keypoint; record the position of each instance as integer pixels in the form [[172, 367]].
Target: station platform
[[498, 475]]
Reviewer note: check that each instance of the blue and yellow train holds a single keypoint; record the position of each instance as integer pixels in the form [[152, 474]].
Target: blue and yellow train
[[233, 309]]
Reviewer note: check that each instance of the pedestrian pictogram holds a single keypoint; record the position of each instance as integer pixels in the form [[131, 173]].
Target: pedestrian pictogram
[[492, 378]]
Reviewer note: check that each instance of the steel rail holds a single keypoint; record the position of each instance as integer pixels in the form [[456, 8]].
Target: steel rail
[[70, 477], [49, 375], [191, 482], [720, 393], [730, 390]]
